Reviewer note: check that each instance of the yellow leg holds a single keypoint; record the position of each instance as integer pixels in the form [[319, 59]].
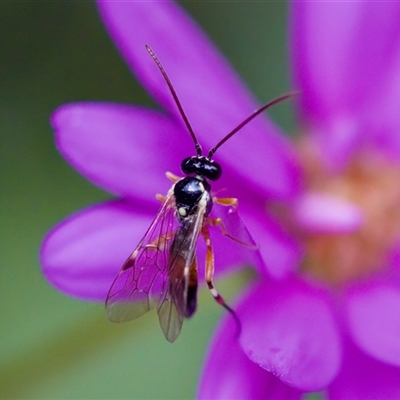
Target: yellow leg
[[160, 197], [160, 242], [209, 276], [209, 255], [172, 177], [227, 201], [218, 222]]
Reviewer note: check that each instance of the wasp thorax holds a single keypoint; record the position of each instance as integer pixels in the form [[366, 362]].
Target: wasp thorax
[[188, 191], [202, 166]]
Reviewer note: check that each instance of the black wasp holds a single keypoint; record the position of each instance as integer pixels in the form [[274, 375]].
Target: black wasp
[[162, 270]]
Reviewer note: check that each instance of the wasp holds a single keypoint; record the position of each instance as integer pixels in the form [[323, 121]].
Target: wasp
[[162, 270]]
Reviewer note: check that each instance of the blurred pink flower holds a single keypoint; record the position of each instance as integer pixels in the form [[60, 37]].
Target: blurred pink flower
[[325, 311], [334, 323]]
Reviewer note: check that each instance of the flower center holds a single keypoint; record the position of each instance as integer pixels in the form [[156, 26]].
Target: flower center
[[370, 182]]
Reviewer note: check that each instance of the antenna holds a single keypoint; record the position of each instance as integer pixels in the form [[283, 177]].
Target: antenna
[[175, 96], [250, 118]]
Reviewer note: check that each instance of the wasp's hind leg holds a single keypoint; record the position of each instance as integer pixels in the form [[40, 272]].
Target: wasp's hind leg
[[209, 277]]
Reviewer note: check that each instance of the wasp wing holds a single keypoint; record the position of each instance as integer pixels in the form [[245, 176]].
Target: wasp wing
[[138, 286], [233, 243], [176, 302], [232, 225]]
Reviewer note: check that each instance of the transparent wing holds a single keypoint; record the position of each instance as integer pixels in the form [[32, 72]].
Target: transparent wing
[[232, 225], [139, 284], [174, 304]]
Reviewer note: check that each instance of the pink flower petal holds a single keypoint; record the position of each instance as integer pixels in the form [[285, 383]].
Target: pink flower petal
[[373, 312], [342, 53], [362, 377], [229, 374], [82, 255], [120, 148], [213, 98], [288, 329], [393, 258], [318, 212], [382, 126]]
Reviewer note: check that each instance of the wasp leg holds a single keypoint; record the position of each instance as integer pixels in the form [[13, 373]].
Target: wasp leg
[[161, 197], [227, 201], [218, 222], [172, 177], [161, 241], [232, 202], [209, 277]]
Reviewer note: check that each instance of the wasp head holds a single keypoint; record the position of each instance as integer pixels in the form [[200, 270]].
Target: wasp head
[[202, 166]]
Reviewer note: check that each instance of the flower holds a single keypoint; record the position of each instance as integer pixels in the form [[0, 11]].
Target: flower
[[332, 324], [324, 312]]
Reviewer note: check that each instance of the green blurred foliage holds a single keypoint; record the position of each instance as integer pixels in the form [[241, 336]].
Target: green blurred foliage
[[52, 346]]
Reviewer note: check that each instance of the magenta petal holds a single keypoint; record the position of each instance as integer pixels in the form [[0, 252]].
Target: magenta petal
[[382, 126], [373, 312], [362, 377], [343, 53], [229, 374], [82, 255], [289, 329], [120, 148], [212, 96]]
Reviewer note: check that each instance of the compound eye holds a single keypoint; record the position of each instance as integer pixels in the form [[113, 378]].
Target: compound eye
[[188, 165], [212, 171]]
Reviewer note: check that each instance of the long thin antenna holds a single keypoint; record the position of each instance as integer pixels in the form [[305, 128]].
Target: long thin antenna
[[247, 120], [175, 96]]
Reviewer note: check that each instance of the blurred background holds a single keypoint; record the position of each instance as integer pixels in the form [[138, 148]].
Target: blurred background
[[52, 346]]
